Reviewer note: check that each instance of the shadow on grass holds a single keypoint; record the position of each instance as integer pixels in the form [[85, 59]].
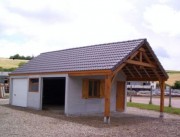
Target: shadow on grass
[[117, 119]]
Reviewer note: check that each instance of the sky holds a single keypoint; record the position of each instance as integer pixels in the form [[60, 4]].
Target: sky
[[31, 27]]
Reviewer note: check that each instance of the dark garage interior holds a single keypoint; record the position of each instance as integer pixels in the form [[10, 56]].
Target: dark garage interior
[[54, 91]]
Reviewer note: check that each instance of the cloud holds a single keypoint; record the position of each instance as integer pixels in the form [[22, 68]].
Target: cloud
[[162, 19], [31, 27], [63, 24], [161, 52]]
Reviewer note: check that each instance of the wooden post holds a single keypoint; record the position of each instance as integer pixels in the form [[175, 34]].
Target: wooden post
[[170, 91], [162, 87], [107, 99], [150, 101]]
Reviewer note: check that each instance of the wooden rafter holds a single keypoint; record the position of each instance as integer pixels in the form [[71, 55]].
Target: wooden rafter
[[130, 71], [142, 79], [137, 71], [142, 50], [118, 69], [146, 72], [133, 55], [147, 58], [139, 63], [153, 69], [156, 73], [140, 56]]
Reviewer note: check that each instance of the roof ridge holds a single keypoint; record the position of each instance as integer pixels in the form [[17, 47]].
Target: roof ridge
[[94, 45]]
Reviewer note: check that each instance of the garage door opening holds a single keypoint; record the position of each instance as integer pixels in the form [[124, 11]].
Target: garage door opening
[[53, 93]]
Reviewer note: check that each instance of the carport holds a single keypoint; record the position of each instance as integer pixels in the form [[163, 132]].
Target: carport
[[140, 65]]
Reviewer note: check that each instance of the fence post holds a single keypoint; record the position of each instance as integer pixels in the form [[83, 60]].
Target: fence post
[[0, 92], [170, 91], [150, 102], [130, 94]]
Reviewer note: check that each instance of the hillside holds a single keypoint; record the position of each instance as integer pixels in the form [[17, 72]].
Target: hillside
[[173, 76], [10, 63]]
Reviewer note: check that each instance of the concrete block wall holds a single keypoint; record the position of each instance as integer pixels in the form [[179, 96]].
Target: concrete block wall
[[75, 104]]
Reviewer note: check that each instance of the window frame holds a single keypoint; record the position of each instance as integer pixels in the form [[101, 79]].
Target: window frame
[[97, 94], [33, 84]]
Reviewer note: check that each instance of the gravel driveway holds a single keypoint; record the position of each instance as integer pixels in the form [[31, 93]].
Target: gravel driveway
[[21, 122]]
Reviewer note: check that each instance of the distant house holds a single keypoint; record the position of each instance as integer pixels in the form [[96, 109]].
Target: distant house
[[141, 85], [4, 80], [4, 76], [85, 80]]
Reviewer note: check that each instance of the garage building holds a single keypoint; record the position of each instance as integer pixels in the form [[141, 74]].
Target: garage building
[[85, 80]]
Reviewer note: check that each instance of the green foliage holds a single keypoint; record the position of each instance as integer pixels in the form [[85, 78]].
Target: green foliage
[[21, 64], [17, 56], [176, 85], [170, 110], [172, 71], [7, 69]]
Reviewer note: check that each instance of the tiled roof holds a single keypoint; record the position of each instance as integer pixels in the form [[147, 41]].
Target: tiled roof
[[96, 57]]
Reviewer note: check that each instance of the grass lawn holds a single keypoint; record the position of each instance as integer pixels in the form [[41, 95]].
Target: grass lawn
[[154, 107]]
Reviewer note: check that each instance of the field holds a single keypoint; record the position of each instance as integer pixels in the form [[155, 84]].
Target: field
[[173, 76], [10, 63]]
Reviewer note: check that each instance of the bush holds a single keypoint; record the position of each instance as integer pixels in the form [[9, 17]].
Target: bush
[[7, 69], [21, 64], [176, 85]]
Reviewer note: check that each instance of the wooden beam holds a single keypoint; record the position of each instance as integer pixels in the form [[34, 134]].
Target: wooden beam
[[129, 61], [71, 73], [142, 50], [146, 72], [140, 56], [133, 55], [107, 99], [118, 69], [137, 52], [142, 79], [146, 57], [162, 87], [130, 71], [90, 73], [148, 60], [156, 73], [137, 71]]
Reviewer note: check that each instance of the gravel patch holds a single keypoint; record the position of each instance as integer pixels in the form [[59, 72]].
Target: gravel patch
[[23, 122]]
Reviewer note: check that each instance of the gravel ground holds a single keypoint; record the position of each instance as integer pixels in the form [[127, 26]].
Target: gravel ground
[[21, 122]]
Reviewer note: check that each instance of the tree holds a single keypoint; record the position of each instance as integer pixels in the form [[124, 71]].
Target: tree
[[17, 56], [176, 85]]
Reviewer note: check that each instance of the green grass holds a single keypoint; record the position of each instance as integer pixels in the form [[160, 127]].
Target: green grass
[[170, 110]]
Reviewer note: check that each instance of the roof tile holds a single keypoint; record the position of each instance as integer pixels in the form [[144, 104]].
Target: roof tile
[[96, 57]]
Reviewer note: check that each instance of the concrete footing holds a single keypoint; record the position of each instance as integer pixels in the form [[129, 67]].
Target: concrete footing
[[107, 120], [161, 115]]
